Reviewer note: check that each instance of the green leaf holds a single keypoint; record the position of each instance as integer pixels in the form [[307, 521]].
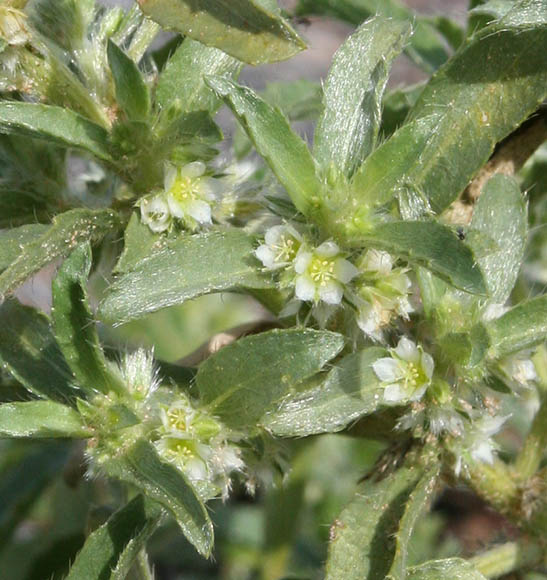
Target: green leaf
[[449, 568], [139, 242], [183, 78], [524, 326], [110, 550], [425, 47], [348, 127], [416, 506], [141, 466], [350, 390], [54, 124], [22, 484], [67, 231], [396, 105], [384, 173], [434, 246], [75, 328], [476, 105], [500, 214], [188, 267], [13, 240], [29, 352], [40, 419], [249, 30], [132, 92], [283, 150], [363, 541], [244, 379]]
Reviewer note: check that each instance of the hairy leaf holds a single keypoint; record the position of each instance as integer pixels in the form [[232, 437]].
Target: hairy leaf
[[332, 401], [500, 214], [132, 93], [477, 105], [111, 549], [453, 568], [29, 352], [13, 240], [75, 328], [67, 231], [348, 127], [283, 150], [363, 538], [243, 380], [434, 246], [524, 326], [182, 81], [187, 268], [40, 419], [250, 30], [141, 466], [54, 124], [425, 46]]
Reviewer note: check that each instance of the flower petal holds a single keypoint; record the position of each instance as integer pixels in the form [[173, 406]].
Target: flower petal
[[388, 370], [177, 209], [194, 169], [302, 261], [428, 364], [394, 393], [200, 211], [344, 270], [170, 177], [327, 249], [273, 235], [304, 288], [331, 292], [407, 350], [267, 256]]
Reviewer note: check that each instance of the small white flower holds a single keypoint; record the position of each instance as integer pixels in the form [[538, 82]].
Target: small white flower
[[190, 192], [280, 247], [407, 373], [322, 274], [155, 213]]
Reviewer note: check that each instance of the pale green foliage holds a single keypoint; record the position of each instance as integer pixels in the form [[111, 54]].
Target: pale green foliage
[[393, 301]]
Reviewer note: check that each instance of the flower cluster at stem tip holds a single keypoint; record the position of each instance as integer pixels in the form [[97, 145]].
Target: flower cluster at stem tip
[[187, 197], [322, 274]]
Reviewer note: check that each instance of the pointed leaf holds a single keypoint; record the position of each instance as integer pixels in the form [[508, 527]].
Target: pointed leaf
[[283, 150], [416, 506], [363, 540], [350, 390], [141, 466], [241, 381], [67, 231], [54, 124], [477, 105], [348, 127], [40, 419], [434, 246], [132, 93], [187, 268], [29, 352], [75, 328], [456, 568], [182, 81], [110, 550], [425, 46], [252, 31], [500, 214], [384, 173], [13, 240], [524, 326]]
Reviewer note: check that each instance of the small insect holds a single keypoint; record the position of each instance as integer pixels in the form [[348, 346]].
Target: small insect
[[461, 233]]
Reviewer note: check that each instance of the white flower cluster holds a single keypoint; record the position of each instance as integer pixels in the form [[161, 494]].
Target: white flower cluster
[[194, 442], [188, 195], [378, 290]]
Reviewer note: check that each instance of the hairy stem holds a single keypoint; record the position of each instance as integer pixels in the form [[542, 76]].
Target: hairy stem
[[508, 558]]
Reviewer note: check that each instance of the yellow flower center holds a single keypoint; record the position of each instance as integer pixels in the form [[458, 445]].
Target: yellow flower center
[[285, 250], [185, 189], [321, 271], [178, 419]]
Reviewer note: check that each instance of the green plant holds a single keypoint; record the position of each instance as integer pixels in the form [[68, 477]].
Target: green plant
[[390, 257]]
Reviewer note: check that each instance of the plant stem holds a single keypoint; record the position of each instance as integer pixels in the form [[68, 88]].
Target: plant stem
[[142, 568], [507, 558]]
